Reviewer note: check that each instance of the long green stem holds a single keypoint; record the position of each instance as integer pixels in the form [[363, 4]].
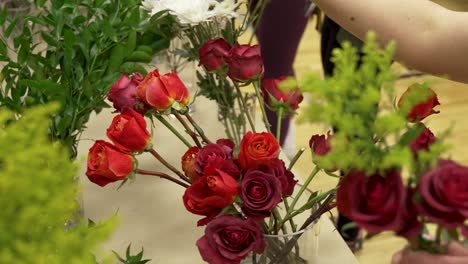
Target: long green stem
[[173, 130], [291, 221], [295, 158], [301, 190], [244, 106], [187, 129], [197, 127], [278, 124], [168, 165], [262, 105]]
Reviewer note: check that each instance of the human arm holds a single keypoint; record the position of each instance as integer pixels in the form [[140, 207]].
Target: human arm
[[429, 38], [456, 254]]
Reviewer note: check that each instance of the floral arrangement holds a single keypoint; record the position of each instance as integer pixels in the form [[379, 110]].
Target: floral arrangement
[[394, 174]]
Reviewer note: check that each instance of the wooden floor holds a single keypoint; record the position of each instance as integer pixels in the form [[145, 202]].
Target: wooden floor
[[453, 114]]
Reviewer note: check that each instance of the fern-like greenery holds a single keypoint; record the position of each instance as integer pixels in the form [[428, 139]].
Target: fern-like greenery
[[37, 194]]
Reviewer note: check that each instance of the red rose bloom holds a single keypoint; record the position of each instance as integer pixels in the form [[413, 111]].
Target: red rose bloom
[[320, 144], [276, 98], [257, 149], [260, 191], [444, 194], [219, 149], [374, 202], [213, 53], [188, 163], [123, 93], [210, 194], [423, 109], [285, 176], [107, 163], [423, 141], [162, 92], [229, 239], [128, 131], [245, 63]]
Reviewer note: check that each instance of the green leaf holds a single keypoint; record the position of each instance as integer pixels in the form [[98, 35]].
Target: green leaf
[[116, 58], [49, 39], [10, 27], [131, 42], [46, 86], [3, 15], [139, 56]]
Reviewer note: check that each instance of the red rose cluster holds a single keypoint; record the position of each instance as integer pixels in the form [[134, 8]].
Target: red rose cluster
[[256, 177], [243, 63]]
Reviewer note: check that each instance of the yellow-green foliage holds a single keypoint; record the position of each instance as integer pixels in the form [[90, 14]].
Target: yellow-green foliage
[[38, 195]]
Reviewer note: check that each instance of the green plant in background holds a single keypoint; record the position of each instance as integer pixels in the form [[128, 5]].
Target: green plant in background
[[71, 51], [37, 194]]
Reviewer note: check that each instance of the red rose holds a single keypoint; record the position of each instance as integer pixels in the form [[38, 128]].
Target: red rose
[[276, 98], [123, 93], [423, 141], [444, 194], [210, 151], [285, 176], [163, 92], [128, 131], [213, 53], [257, 149], [107, 163], [412, 227], [374, 202], [227, 165], [426, 97], [188, 163], [320, 144], [260, 191], [229, 239], [210, 194], [245, 63]]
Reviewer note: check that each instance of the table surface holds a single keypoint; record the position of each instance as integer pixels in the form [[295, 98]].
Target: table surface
[[152, 215]]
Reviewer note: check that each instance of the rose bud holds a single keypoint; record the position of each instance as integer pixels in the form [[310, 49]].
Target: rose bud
[[107, 164], [444, 194], [128, 131], [423, 141], [123, 93], [374, 202], [426, 101], [188, 163], [213, 53], [257, 149], [228, 240], [320, 144], [260, 191], [209, 151], [162, 92], [276, 98], [209, 195], [245, 63]]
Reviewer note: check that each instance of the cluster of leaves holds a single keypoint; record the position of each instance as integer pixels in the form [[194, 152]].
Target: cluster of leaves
[[371, 132], [71, 51], [37, 194]]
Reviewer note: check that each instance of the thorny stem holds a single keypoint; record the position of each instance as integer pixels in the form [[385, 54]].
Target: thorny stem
[[173, 130], [197, 128], [168, 165], [164, 176], [187, 129]]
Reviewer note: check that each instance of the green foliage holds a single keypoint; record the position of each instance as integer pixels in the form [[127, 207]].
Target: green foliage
[[131, 259], [37, 196], [358, 101], [71, 51]]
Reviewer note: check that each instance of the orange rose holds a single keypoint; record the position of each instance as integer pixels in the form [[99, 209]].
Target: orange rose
[[257, 149]]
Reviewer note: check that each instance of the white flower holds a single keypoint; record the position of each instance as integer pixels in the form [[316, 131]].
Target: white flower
[[226, 8], [190, 12], [153, 6]]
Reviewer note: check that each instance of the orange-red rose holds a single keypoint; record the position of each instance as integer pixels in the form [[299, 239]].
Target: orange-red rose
[[276, 98], [188, 163], [423, 109], [257, 149], [128, 131], [162, 92], [107, 164]]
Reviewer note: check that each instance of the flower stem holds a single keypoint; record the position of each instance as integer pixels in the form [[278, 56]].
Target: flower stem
[[187, 128], [295, 158], [164, 176], [243, 104], [168, 165], [262, 106], [301, 191], [278, 124], [197, 128], [173, 130]]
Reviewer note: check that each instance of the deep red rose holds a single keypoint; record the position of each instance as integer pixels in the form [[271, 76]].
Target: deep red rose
[[260, 191], [320, 144], [227, 165], [423, 109], [257, 149], [210, 194], [226, 142], [423, 141], [162, 92], [213, 53], [444, 194], [275, 98], [210, 151], [286, 177], [229, 239], [245, 63], [411, 227], [107, 164], [123, 93], [188, 163], [128, 131], [374, 202]]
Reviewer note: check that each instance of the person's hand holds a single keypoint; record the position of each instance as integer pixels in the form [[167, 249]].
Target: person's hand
[[456, 254]]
